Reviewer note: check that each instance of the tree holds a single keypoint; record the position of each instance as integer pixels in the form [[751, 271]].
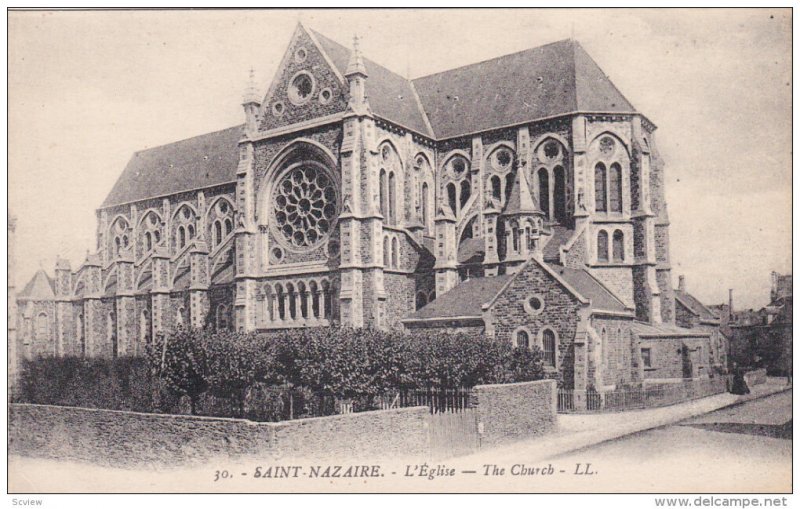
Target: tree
[[180, 361]]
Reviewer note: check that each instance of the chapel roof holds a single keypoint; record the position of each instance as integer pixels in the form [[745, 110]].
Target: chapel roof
[[695, 306], [555, 79], [194, 163], [536, 83], [40, 287], [466, 299]]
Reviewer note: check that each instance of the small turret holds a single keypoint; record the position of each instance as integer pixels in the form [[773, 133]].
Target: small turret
[[522, 221], [251, 103], [356, 75]]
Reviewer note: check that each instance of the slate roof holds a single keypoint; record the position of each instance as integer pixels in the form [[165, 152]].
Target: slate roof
[[590, 288], [466, 299], [536, 83], [665, 330], [695, 306], [390, 95], [550, 80], [471, 250], [561, 235], [200, 162], [40, 287]]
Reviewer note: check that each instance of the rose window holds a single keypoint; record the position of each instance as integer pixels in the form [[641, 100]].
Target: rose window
[[305, 206]]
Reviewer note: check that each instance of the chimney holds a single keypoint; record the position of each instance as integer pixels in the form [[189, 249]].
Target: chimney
[[681, 284], [730, 302]]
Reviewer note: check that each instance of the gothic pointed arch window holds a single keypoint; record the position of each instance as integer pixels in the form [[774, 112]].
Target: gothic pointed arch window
[[228, 226], [618, 246], [425, 204], [387, 255], [80, 333], [455, 173], [150, 232], [612, 157], [280, 297], [111, 333], [543, 177], [181, 237], [451, 198], [465, 193], [559, 194], [549, 344], [144, 327], [602, 246], [550, 157], [395, 252], [615, 188], [600, 196], [496, 185], [216, 236], [119, 235], [392, 191], [509, 186], [42, 327]]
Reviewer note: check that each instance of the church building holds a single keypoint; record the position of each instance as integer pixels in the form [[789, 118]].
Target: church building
[[521, 197]]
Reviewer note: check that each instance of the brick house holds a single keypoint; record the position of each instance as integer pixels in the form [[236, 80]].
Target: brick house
[[522, 197]]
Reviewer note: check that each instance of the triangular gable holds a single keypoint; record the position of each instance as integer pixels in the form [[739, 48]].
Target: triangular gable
[[328, 89], [534, 264]]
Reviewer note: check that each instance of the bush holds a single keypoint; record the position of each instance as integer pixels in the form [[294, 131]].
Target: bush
[[114, 384]]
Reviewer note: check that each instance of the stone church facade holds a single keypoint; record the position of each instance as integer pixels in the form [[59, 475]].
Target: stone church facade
[[522, 197]]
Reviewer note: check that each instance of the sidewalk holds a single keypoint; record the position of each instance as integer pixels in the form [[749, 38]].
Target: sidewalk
[[578, 431]]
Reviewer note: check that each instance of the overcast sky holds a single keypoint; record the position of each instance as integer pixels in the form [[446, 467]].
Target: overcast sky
[[87, 89]]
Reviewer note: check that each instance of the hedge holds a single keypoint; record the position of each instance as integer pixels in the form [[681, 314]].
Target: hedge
[[270, 377]]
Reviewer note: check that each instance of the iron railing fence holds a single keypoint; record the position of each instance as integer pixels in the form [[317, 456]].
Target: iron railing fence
[[630, 398]]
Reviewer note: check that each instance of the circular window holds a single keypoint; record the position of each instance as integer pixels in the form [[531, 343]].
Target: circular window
[[301, 88], [607, 145], [459, 165], [503, 158], [277, 109], [300, 55], [153, 219], [222, 207], [551, 150], [534, 305], [276, 255], [325, 96], [305, 206], [186, 213], [386, 152]]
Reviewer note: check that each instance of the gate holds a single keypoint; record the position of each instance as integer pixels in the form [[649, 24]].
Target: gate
[[453, 433]]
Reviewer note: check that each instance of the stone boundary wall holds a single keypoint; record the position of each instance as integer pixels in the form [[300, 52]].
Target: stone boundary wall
[[755, 377], [504, 413], [511, 412], [127, 439]]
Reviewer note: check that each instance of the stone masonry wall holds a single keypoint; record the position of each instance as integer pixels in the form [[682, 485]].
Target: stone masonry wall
[[512, 412], [128, 439], [559, 313]]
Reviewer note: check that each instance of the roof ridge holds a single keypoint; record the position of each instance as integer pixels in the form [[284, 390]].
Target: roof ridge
[[560, 41], [188, 139]]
